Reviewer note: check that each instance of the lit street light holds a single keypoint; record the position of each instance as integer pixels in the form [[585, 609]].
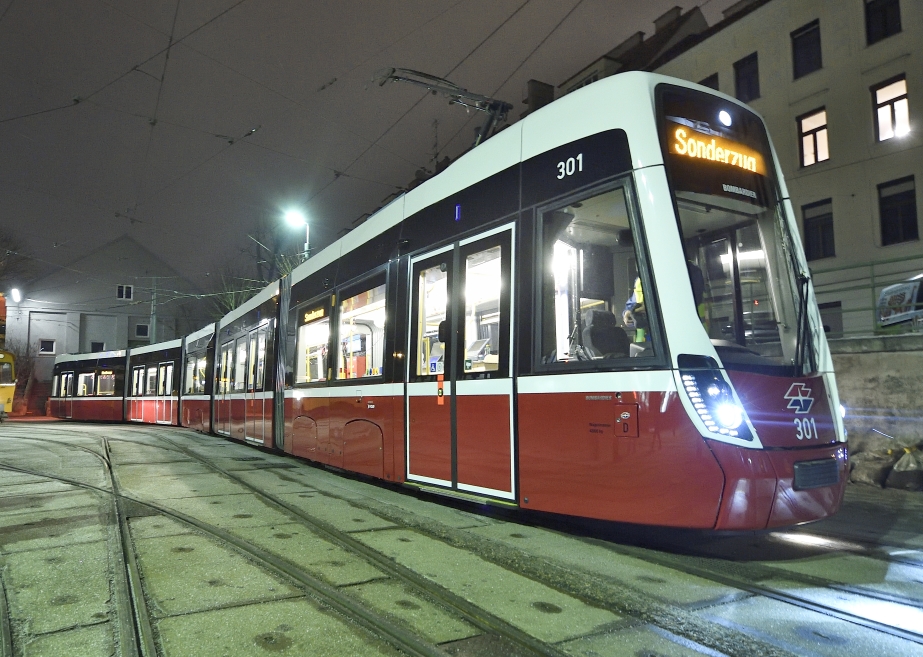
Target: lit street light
[[16, 295], [296, 219]]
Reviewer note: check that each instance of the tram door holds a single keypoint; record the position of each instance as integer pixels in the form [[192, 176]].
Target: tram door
[[460, 389], [164, 392], [67, 391]]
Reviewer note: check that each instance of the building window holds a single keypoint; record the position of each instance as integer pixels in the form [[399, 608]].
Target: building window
[[818, 230], [125, 292], [812, 127], [142, 330], [711, 81], [892, 109], [831, 316], [97, 346], [897, 205], [46, 346], [882, 19], [747, 78], [806, 49]]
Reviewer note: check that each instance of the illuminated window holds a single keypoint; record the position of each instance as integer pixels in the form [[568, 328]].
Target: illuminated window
[[105, 384], [85, 384], [747, 78], [483, 287], [818, 230], [892, 109], [190, 387], [806, 57], [813, 130], [897, 206], [595, 309], [240, 365], [882, 19], [362, 334], [311, 349], [150, 387], [711, 81]]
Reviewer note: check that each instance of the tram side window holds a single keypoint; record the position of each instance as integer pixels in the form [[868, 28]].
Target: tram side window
[[54, 385], [85, 384], [311, 346], [105, 384], [200, 367], [433, 296], [362, 334], [589, 280]]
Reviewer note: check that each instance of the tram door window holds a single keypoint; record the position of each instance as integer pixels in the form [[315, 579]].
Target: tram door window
[[483, 283], [67, 384], [261, 357], [252, 358], [432, 327], [189, 386], [200, 370], [165, 380], [150, 387], [240, 366], [224, 380], [590, 278], [362, 334]]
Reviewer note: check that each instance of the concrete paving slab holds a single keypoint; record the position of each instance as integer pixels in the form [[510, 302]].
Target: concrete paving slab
[[290, 628], [188, 573], [537, 609], [404, 605], [93, 641], [339, 513], [805, 632], [58, 588], [894, 614], [46, 529], [170, 469], [9, 478], [192, 485], [50, 501], [865, 572], [643, 641], [276, 481], [125, 452], [157, 526], [229, 511], [34, 488], [663, 583], [431, 510], [310, 553]]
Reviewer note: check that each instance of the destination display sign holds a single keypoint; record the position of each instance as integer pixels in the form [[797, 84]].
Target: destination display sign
[[685, 140]]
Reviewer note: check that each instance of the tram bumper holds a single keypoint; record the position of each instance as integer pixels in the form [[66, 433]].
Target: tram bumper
[[779, 487]]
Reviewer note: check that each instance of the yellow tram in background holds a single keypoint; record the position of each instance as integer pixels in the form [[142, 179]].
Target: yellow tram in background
[[7, 383]]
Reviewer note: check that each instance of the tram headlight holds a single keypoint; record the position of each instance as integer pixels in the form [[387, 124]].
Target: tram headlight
[[712, 398], [842, 411]]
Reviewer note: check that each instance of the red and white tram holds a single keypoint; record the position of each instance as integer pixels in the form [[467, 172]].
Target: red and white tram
[[152, 395], [602, 311], [197, 380], [89, 386]]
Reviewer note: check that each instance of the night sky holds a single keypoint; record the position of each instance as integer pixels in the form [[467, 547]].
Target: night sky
[[185, 123]]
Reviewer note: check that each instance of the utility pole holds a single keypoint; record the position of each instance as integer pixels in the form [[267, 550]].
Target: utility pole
[[153, 331]]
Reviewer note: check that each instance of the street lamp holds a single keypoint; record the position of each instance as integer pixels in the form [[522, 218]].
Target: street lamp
[[296, 219], [16, 295]]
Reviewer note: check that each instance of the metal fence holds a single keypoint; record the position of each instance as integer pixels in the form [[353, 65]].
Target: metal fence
[[848, 295]]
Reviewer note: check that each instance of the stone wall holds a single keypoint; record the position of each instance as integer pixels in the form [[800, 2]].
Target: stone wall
[[880, 381]]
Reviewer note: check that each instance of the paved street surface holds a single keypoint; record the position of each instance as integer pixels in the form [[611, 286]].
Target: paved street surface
[[128, 540]]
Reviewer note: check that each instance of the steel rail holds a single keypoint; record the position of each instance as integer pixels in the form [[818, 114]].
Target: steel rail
[[397, 636]]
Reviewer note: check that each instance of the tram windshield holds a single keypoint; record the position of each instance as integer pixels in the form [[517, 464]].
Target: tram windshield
[[722, 176]]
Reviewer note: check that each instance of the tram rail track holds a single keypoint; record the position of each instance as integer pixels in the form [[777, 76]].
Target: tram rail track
[[683, 623]]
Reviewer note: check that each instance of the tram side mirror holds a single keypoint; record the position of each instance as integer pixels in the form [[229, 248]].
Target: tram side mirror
[[444, 331]]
